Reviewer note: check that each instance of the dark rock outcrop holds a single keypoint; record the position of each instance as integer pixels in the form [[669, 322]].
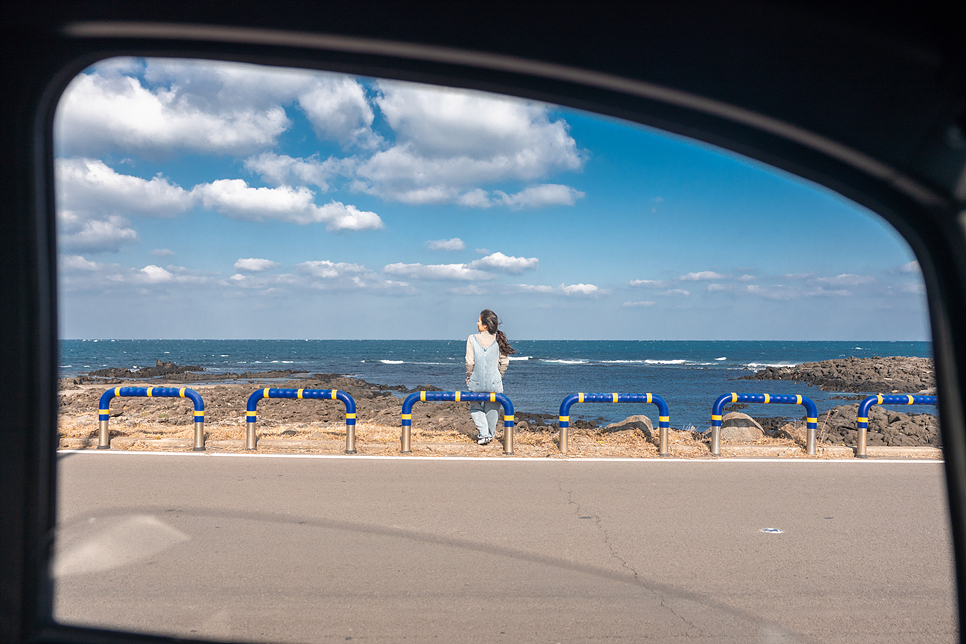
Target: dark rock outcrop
[[893, 374]]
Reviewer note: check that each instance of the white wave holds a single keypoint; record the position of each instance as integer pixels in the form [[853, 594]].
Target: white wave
[[679, 361], [567, 361], [722, 358], [393, 361], [520, 357], [762, 365], [622, 361]]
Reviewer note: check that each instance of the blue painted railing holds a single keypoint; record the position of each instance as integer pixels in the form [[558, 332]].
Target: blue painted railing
[[663, 419], [811, 416], [862, 418], [104, 411], [314, 394], [455, 396]]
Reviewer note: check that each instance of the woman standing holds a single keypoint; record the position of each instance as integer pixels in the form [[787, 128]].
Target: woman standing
[[487, 358]]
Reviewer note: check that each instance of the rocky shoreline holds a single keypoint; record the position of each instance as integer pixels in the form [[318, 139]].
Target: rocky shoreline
[[225, 398], [893, 374]]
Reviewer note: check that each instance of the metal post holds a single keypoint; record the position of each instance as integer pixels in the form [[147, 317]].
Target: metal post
[[103, 435], [810, 440], [350, 439], [860, 444], [199, 435], [250, 440], [406, 440], [563, 439], [716, 440], [662, 451], [507, 438]]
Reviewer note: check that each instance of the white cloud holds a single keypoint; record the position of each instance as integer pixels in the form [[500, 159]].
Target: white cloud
[[782, 292], [234, 198], [254, 265], [643, 303], [580, 290], [676, 292], [437, 271], [547, 194], [76, 263], [162, 252], [281, 169], [703, 276], [155, 274], [535, 288], [76, 233], [446, 244], [332, 270], [500, 262], [89, 185], [648, 283], [716, 287], [477, 198], [105, 110], [915, 289], [338, 109], [911, 267], [746, 278], [846, 279], [448, 142]]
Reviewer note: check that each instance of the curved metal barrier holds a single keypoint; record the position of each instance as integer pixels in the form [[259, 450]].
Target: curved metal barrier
[[316, 394], [103, 434], [455, 396], [663, 419], [811, 417], [862, 419]]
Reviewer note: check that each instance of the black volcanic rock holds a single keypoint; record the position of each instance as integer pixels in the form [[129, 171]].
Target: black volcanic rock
[[893, 374]]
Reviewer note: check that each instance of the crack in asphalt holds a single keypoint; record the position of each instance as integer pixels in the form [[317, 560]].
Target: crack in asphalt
[[691, 629]]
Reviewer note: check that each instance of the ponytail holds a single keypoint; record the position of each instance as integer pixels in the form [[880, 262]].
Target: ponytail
[[505, 347], [492, 324]]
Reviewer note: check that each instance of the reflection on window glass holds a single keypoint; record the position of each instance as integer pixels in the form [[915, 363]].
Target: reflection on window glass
[[230, 229]]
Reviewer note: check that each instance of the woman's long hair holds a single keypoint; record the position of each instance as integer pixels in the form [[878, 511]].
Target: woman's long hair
[[492, 324]]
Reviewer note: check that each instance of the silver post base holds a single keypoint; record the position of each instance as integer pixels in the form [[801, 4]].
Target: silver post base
[[350, 439], [199, 437], [405, 440]]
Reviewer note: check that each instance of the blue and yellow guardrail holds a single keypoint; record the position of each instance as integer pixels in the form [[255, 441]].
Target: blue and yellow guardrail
[[811, 415], [251, 416], [663, 419], [455, 396], [862, 418], [104, 411]]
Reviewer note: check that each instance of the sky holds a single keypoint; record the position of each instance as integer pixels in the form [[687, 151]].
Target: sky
[[200, 199]]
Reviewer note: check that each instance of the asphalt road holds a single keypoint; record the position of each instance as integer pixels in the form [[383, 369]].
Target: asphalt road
[[293, 549]]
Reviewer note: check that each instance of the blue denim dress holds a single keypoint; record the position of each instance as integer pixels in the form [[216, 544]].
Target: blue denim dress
[[485, 378]]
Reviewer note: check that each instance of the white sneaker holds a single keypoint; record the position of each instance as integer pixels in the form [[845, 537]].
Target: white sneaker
[[484, 440]]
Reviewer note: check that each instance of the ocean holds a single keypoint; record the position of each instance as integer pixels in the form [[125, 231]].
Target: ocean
[[689, 375]]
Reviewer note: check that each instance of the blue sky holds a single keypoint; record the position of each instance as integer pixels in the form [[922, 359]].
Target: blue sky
[[219, 200]]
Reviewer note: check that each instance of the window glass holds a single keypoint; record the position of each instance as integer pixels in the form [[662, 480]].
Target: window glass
[[227, 228]]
